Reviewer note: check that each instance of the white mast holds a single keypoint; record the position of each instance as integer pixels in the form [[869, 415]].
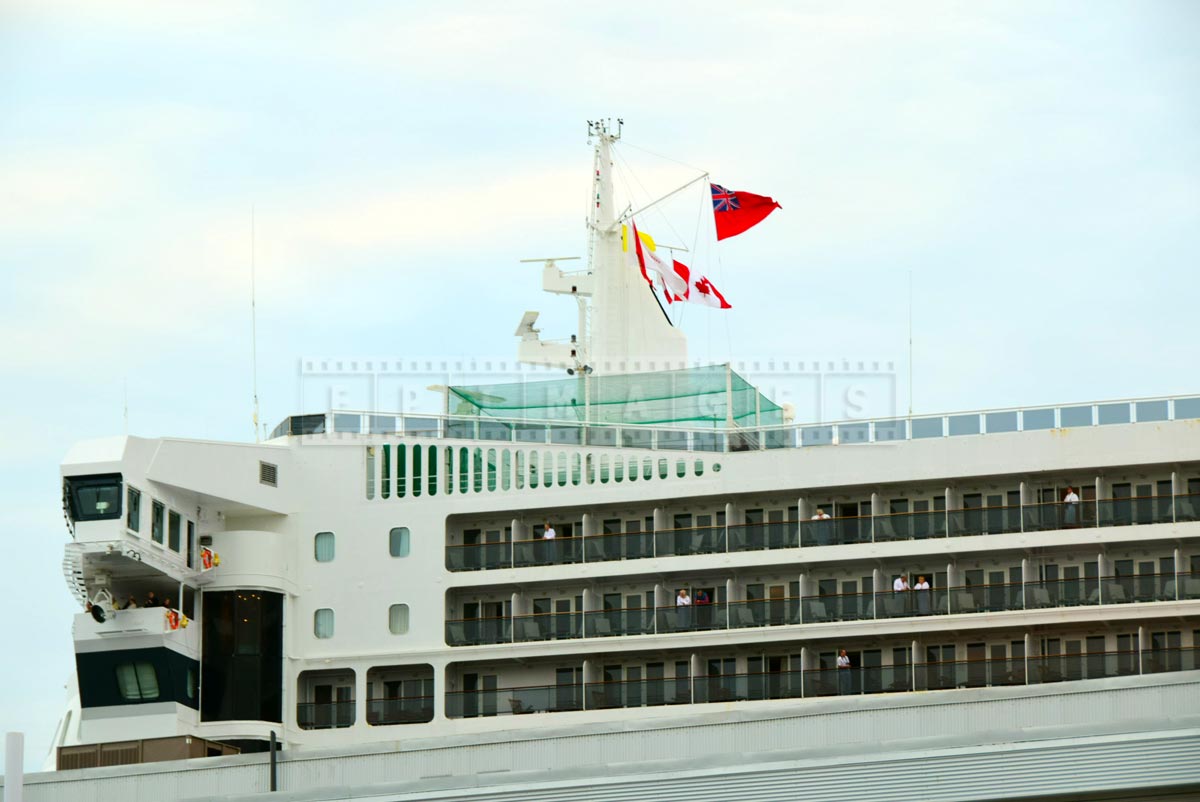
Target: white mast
[[625, 330]]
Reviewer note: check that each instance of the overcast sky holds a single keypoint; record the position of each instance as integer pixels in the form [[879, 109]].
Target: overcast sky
[[1033, 165]]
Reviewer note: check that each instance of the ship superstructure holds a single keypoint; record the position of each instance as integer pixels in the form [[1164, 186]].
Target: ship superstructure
[[363, 577]]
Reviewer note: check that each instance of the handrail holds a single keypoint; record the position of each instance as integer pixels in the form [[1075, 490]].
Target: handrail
[[749, 432]]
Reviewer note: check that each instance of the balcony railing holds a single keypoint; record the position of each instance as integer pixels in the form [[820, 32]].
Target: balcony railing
[[814, 683], [826, 608], [620, 621], [399, 710], [824, 532], [980, 423], [547, 626], [506, 701], [324, 715], [478, 631]]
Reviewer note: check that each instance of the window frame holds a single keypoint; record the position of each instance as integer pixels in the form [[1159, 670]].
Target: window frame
[[136, 668], [317, 621], [72, 485], [317, 547], [158, 521], [407, 617], [174, 530], [405, 537], [133, 509]]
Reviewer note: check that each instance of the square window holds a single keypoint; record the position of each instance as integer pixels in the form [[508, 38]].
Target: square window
[[137, 682], [323, 547], [323, 623], [398, 542], [398, 619]]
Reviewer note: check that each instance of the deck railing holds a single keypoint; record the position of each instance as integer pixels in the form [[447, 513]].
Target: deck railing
[[820, 682], [754, 438], [841, 531], [827, 608]]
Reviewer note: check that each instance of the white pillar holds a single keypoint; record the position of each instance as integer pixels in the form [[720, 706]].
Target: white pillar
[[1141, 647], [1178, 573], [14, 767], [914, 651], [1026, 572], [1028, 651], [361, 691]]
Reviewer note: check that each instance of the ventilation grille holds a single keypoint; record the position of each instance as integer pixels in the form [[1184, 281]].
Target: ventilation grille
[[268, 474]]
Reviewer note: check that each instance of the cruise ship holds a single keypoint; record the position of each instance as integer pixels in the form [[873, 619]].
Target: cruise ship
[[989, 604]]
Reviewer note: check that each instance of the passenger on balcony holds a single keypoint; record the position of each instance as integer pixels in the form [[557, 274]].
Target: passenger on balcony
[[548, 536], [845, 679], [704, 609], [131, 604], [683, 610], [922, 591], [821, 515], [900, 603], [1071, 510], [152, 600]]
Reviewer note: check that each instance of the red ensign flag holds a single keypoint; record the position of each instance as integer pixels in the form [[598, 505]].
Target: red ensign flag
[[734, 212]]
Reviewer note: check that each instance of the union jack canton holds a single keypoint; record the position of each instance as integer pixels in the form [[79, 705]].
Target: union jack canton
[[723, 199]]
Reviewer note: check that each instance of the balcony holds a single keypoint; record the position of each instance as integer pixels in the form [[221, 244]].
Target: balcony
[[823, 682], [400, 694], [827, 608], [328, 699], [826, 532]]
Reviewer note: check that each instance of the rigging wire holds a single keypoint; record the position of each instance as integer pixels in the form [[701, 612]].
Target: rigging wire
[[661, 156]]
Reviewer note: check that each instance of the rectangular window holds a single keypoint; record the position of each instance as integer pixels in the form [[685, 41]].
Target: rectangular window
[[173, 529], [398, 619], [157, 516], [323, 623], [323, 547], [191, 543], [398, 542], [133, 515], [138, 682]]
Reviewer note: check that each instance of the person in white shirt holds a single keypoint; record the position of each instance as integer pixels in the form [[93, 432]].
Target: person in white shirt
[[901, 600], [821, 516], [1071, 510], [683, 609], [844, 676], [550, 552], [922, 591]]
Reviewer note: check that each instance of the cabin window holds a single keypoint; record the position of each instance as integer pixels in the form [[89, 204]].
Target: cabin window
[[157, 514], [93, 498], [398, 619], [398, 541], [323, 623], [133, 512], [323, 547], [138, 682], [174, 526]]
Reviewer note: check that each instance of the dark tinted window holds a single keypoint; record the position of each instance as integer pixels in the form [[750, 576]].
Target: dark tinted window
[[93, 498]]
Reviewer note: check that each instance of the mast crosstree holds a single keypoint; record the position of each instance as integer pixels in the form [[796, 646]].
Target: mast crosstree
[[622, 328]]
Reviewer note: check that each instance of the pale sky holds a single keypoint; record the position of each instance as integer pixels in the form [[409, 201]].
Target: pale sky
[[1034, 165]]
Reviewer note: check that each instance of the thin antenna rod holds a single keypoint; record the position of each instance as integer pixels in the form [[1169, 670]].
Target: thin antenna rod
[[253, 325], [910, 344]]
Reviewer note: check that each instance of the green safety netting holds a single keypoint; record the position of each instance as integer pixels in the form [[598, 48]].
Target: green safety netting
[[706, 396]]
